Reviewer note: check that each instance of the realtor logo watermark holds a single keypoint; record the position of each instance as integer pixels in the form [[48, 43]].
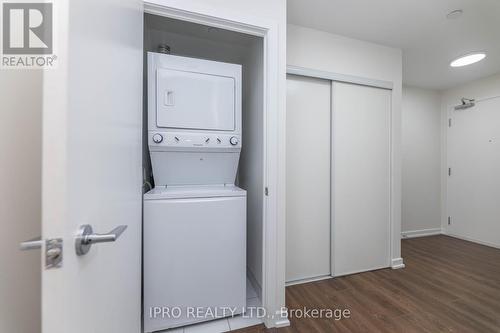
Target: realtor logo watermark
[[190, 312], [27, 35]]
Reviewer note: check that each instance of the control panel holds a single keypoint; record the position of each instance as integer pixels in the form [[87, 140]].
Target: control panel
[[190, 140]]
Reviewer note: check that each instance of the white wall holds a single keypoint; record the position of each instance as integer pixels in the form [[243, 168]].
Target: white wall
[[421, 162], [486, 87], [20, 199], [320, 50]]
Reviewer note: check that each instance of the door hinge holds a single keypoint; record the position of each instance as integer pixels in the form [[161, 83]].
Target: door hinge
[[449, 220], [266, 191], [449, 171], [449, 122]]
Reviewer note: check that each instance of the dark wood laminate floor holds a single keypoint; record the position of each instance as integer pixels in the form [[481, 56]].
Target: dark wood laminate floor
[[448, 285]]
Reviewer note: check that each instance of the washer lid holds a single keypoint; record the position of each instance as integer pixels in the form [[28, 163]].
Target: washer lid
[[199, 191]]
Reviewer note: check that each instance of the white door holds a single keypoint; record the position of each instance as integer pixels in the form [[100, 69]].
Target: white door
[[474, 185], [307, 178], [361, 178], [92, 166]]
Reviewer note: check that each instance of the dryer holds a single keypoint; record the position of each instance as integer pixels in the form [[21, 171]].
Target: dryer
[[194, 120]]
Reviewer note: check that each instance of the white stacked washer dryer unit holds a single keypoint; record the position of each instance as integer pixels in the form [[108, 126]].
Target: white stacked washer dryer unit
[[195, 217]]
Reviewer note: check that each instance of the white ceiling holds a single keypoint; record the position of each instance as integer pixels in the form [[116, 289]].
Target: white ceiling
[[429, 40]]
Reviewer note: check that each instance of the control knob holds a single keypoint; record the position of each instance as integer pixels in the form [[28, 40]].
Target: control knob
[[234, 141], [157, 138]]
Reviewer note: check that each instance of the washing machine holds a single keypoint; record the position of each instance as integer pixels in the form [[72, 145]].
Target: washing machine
[[194, 255], [194, 240]]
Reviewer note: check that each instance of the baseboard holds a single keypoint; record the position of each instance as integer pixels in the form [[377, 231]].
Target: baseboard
[[420, 233], [473, 240], [307, 280], [397, 263], [282, 323], [280, 319], [357, 271]]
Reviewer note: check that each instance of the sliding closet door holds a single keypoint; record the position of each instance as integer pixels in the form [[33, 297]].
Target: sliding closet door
[[361, 178], [308, 178]]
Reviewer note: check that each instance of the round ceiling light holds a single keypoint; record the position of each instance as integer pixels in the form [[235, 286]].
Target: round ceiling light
[[468, 59]]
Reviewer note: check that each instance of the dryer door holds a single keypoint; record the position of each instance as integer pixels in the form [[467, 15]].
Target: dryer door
[[191, 100]]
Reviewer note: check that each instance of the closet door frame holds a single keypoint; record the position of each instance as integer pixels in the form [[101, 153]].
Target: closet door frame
[[395, 261], [273, 200]]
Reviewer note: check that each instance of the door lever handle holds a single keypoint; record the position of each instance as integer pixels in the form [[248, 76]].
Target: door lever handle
[[32, 244], [103, 238], [86, 237]]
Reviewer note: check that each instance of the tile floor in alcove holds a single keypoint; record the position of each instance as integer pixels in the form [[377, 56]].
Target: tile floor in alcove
[[226, 324]]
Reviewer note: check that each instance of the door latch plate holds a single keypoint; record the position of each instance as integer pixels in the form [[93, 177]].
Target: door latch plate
[[53, 253]]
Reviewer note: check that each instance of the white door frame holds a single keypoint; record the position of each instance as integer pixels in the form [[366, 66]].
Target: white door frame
[[395, 261], [331, 76], [273, 270]]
